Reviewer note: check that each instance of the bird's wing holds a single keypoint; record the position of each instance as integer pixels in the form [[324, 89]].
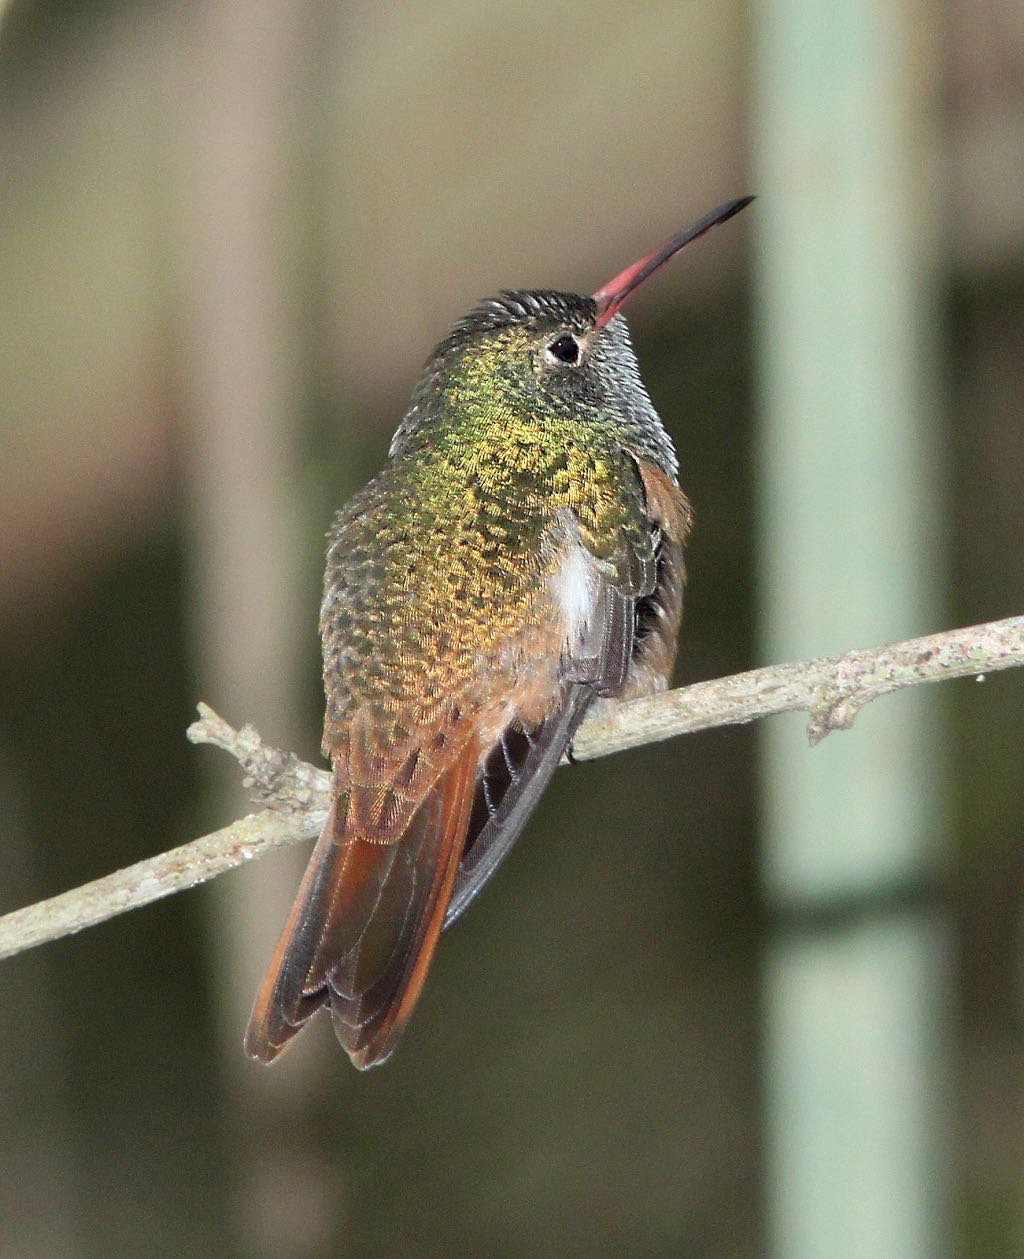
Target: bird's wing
[[509, 784], [657, 615], [634, 611]]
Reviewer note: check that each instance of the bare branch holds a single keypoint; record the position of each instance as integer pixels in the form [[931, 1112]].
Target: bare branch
[[832, 690]]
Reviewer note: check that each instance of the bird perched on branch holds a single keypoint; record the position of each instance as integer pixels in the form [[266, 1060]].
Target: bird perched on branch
[[519, 558]]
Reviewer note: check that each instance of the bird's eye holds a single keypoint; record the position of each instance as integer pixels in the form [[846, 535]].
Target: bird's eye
[[565, 348]]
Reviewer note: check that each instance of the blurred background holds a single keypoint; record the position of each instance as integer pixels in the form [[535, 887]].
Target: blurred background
[[731, 996]]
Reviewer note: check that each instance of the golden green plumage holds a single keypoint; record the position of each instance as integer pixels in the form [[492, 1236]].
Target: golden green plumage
[[447, 554]]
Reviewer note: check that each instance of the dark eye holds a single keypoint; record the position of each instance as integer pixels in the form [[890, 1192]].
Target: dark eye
[[565, 348]]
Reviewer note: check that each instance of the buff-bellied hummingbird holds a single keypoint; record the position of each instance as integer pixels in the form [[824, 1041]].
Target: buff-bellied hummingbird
[[519, 558]]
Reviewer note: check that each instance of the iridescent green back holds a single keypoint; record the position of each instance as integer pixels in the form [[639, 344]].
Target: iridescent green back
[[443, 558]]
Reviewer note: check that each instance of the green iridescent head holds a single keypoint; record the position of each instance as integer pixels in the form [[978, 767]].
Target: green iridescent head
[[544, 352], [559, 354]]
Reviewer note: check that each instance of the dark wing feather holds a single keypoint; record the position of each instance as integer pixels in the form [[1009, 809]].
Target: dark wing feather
[[511, 781], [659, 613]]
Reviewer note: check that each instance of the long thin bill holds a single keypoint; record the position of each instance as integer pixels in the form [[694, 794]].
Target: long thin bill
[[612, 296]]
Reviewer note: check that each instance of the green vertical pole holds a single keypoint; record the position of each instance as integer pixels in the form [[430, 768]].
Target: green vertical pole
[[855, 978]]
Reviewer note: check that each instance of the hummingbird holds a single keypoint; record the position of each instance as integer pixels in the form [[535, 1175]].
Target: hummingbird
[[518, 560]]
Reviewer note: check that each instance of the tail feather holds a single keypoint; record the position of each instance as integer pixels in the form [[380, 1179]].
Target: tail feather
[[362, 933]]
